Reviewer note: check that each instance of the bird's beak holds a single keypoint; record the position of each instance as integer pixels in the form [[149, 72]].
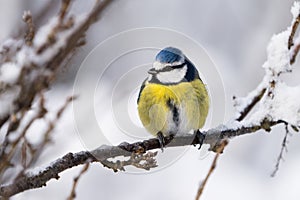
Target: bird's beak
[[152, 71]]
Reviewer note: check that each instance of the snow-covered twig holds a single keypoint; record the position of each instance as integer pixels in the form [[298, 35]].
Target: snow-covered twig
[[28, 67], [282, 54], [273, 98], [255, 99], [27, 17], [295, 24], [37, 149]]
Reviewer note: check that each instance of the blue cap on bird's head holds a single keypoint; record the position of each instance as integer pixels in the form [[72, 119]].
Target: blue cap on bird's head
[[170, 55]]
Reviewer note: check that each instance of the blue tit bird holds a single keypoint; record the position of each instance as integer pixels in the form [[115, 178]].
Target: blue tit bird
[[173, 99]]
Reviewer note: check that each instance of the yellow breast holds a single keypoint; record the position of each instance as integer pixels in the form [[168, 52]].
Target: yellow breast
[[156, 107]]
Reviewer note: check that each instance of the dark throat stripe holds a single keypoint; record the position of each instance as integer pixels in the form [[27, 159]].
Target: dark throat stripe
[[174, 111]]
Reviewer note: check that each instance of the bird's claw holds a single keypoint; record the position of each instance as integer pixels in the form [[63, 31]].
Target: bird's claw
[[200, 138], [161, 140]]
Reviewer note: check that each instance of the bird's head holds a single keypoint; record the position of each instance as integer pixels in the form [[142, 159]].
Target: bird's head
[[170, 66]]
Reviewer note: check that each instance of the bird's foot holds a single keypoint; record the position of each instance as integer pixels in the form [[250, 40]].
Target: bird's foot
[[161, 140], [200, 137]]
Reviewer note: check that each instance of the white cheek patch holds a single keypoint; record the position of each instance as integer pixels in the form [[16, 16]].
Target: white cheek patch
[[150, 77], [173, 76]]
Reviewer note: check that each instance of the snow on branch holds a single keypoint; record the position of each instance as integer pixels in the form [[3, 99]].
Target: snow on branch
[[136, 154], [273, 102], [28, 66], [273, 98]]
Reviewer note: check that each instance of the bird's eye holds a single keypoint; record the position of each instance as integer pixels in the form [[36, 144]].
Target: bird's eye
[[167, 68]]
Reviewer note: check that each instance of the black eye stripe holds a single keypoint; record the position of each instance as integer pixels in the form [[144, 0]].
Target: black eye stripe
[[166, 69], [170, 68], [178, 66]]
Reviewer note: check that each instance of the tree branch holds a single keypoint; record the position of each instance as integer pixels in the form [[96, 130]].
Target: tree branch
[[138, 154], [248, 108], [244, 111], [39, 69], [293, 31], [36, 59], [214, 137]]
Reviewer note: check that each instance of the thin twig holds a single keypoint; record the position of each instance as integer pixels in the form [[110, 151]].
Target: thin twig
[[65, 5], [283, 149], [294, 54], [37, 150], [33, 78], [13, 125], [36, 77], [75, 181], [27, 18], [46, 135], [247, 109], [212, 168], [293, 31], [11, 147]]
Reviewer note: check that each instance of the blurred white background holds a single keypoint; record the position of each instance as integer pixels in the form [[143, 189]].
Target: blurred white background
[[235, 35]]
